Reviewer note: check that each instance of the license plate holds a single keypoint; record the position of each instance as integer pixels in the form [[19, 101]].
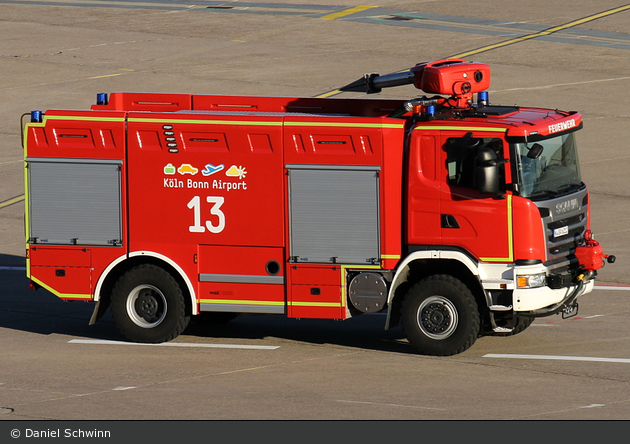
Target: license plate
[[561, 231]]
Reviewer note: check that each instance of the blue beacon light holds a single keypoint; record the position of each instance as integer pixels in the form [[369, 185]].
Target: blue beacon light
[[482, 98], [37, 116], [101, 99]]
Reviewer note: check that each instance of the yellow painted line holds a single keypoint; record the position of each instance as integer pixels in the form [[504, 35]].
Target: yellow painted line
[[510, 237], [329, 94], [515, 40], [108, 75], [546, 32], [346, 12], [11, 201]]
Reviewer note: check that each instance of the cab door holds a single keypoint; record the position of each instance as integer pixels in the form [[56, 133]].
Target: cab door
[[478, 223]]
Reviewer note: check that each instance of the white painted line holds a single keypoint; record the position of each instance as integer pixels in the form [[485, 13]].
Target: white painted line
[[174, 344], [123, 388], [563, 84], [389, 405], [592, 405], [612, 287], [557, 358]]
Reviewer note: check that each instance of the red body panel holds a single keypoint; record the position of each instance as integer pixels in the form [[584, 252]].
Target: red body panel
[[529, 232], [75, 134]]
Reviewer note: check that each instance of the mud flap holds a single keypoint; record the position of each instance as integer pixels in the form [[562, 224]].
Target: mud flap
[[99, 310]]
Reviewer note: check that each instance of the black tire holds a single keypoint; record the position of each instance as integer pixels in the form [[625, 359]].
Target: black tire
[[440, 316], [148, 305]]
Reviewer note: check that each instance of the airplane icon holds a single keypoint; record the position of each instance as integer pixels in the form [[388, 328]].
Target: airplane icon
[[211, 169]]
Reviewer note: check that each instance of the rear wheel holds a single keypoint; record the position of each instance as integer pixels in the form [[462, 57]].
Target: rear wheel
[[148, 305], [440, 316]]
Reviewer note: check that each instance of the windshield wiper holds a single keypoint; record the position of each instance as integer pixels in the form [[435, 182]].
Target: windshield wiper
[[570, 187], [544, 193]]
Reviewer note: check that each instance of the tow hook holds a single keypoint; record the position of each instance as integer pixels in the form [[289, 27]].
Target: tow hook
[[571, 307], [568, 311]]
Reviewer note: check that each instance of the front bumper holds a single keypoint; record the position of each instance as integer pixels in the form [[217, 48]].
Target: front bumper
[[544, 301], [538, 301]]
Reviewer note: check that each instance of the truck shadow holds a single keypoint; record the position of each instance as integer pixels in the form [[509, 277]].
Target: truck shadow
[[40, 312], [364, 331]]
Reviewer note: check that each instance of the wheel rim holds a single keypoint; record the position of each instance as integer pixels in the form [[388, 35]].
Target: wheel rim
[[146, 306], [437, 317]]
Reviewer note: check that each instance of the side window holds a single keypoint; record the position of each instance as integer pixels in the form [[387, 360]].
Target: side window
[[462, 162]]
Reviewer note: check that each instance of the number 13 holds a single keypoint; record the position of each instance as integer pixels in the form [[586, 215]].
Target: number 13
[[195, 205]]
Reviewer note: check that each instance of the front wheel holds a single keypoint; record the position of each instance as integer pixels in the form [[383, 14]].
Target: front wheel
[[148, 305], [440, 316]]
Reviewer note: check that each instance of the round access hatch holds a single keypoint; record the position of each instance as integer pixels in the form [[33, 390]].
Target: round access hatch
[[368, 292]]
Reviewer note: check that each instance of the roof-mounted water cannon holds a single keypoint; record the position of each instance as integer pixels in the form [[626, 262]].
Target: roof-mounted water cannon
[[454, 77]]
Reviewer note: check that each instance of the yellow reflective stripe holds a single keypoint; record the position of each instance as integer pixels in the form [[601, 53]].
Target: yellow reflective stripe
[[222, 122], [270, 303], [461, 128], [61, 295], [390, 256], [239, 302], [510, 237], [347, 125], [314, 304], [207, 122], [81, 118], [27, 222]]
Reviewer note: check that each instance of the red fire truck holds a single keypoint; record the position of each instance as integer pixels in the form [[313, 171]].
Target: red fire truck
[[456, 217]]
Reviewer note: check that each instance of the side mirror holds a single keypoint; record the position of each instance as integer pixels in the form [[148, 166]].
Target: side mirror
[[535, 151], [488, 171]]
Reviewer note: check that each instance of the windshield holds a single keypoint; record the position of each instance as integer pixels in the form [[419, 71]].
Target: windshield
[[555, 170]]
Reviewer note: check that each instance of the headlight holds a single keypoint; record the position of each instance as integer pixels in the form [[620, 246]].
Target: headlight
[[531, 280]]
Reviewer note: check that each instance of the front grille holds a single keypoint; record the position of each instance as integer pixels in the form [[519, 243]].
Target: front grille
[[561, 246]]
